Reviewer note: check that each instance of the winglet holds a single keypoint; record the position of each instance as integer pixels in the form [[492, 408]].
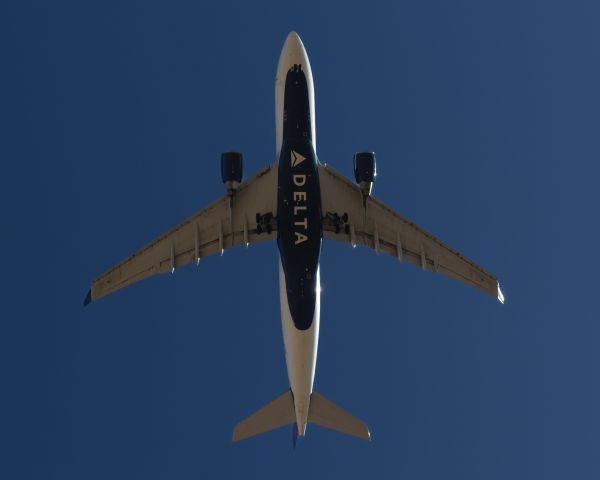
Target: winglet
[[294, 434], [88, 298], [500, 295]]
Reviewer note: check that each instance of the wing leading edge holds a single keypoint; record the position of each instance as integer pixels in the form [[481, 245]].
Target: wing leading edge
[[248, 217], [379, 227]]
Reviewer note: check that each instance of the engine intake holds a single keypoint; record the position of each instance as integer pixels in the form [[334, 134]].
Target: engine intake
[[231, 170], [365, 171]]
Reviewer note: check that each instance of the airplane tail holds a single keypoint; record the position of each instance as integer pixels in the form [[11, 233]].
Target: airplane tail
[[280, 412]]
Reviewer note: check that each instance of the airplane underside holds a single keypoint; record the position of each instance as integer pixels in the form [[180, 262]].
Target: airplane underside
[[299, 203]]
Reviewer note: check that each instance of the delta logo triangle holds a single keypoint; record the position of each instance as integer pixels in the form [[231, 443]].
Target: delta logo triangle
[[297, 159]]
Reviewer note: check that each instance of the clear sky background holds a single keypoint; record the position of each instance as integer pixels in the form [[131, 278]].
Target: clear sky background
[[484, 117]]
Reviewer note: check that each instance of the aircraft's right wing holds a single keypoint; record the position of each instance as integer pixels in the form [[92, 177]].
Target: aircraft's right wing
[[379, 227], [248, 217]]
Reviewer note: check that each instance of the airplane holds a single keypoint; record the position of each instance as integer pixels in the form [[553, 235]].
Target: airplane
[[298, 202]]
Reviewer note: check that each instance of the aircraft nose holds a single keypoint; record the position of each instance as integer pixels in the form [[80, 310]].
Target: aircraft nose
[[294, 38], [292, 53]]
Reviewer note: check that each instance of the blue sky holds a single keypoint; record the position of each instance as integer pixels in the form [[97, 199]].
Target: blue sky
[[484, 117]]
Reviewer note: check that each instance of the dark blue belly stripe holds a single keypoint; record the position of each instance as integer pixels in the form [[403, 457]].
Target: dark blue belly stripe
[[299, 227]]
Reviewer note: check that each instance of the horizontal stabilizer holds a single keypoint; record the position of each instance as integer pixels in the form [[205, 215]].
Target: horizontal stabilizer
[[273, 415], [327, 414]]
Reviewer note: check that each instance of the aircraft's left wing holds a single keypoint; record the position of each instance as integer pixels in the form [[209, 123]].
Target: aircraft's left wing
[[248, 217], [347, 219]]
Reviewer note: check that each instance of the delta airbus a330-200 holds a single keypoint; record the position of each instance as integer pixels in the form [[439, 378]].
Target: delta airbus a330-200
[[298, 202]]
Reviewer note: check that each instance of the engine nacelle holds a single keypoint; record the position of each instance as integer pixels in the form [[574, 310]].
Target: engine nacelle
[[365, 171], [231, 170]]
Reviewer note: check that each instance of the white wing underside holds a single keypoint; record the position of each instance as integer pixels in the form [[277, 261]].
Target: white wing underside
[[220, 226], [380, 228], [211, 230]]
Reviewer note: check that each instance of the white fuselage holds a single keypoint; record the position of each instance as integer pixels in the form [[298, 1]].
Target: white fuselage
[[300, 345]]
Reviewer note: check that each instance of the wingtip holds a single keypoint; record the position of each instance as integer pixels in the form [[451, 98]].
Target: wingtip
[[88, 298], [500, 295]]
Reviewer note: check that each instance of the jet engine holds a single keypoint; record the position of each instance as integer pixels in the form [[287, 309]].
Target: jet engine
[[231, 170], [365, 171]]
